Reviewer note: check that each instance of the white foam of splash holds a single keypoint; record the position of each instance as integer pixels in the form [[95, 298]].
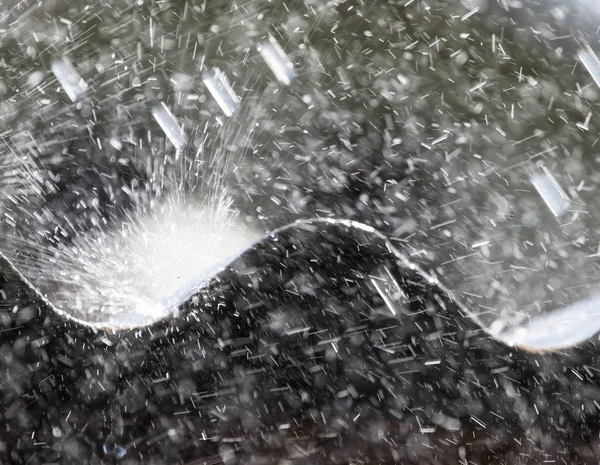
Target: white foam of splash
[[560, 328], [144, 271]]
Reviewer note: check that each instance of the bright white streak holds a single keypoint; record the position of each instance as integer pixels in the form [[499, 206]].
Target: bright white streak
[[563, 327], [142, 271], [219, 87], [168, 123], [278, 61], [551, 192], [470, 13], [69, 79], [591, 63]]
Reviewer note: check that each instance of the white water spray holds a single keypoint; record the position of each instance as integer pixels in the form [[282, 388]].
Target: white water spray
[[139, 270], [144, 270]]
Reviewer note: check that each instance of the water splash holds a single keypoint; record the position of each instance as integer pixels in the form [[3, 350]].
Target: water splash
[[140, 272], [118, 234]]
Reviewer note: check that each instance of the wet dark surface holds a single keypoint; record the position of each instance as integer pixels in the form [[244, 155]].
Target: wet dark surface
[[293, 355], [296, 355]]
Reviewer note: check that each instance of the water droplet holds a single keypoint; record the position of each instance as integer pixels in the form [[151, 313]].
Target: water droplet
[[112, 449]]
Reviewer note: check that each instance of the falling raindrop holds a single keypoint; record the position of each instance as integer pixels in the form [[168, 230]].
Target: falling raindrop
[[112, 448]]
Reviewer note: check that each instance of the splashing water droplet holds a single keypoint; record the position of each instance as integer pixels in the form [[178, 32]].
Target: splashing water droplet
[[144, 270]]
